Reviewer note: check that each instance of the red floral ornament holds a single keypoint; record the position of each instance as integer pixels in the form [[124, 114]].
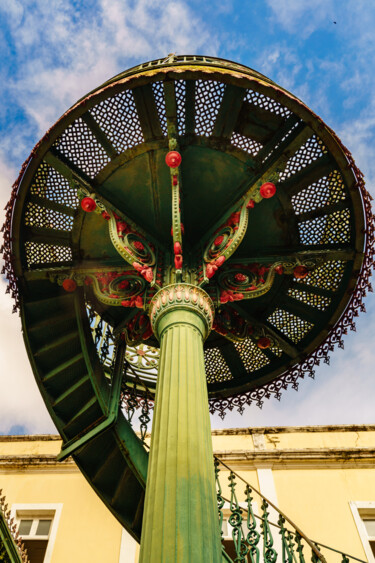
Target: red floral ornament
[[267, 190], [88, 204]]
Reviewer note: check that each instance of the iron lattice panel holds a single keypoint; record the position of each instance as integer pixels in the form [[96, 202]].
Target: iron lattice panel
[[292, 326], [305, 155], [251, 356], [48, 183], [118, 118], [333, 228], [80, 146], [327, 276], [180, 89], [276, 350], [318, 301], [41, 217], [246, 144], [326, 191], [216, 368], [267, 103], [41, 253], [208, 97], [158, 91], [275, 148]]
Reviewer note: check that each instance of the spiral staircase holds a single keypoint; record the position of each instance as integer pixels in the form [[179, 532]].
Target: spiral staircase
[[317, 223]]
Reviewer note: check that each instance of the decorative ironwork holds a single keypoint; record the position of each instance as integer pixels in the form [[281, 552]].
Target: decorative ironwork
[[253, 533], [322, 207], [12, 537]]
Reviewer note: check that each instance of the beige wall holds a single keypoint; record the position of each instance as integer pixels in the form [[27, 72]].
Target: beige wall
[[312, 473]]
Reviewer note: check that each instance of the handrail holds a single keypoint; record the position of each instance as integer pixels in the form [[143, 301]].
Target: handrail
[[309, 542], [292, 532]]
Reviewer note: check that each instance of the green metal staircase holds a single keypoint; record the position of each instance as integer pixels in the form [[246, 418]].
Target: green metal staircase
[[94, 431]]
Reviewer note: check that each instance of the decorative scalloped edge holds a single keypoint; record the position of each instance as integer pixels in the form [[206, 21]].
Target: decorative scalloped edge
[[12, 528], [290, 377]]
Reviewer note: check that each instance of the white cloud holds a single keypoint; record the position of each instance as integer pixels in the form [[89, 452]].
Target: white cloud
[[302, 16], [77, 54]]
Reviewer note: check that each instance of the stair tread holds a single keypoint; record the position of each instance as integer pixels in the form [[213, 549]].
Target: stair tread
[[62, 367], [57, 342], [71, 390]]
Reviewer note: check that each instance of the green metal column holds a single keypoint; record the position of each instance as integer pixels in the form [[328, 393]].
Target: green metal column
[[180, 522]]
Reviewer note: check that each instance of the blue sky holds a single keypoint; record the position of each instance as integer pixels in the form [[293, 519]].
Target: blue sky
[[53, 52]]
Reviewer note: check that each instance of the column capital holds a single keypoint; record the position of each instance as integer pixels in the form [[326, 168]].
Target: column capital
[[181, 297]]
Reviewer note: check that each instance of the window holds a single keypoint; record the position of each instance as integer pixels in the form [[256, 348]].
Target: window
[[370, 529], [35, 534], [37, 525], [364, 517]]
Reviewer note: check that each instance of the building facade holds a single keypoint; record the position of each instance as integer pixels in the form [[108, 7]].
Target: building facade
[[322, 478]]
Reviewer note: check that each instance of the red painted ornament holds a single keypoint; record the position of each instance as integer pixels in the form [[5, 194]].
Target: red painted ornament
[[240, 278], [220, 261], [138, 302], [219, 240], [264, 343], [178, 261], [138, 245], [279, 270], [124, 284], [267, 190], [300, 272], [69, 285], [174, 181], [106, 215], [88, 204], [251, 204], [173, 159], [177, 248], [210, 270]]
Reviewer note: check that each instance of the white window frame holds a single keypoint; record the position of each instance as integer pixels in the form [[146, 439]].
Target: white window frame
[[359, 510], [43, 511]]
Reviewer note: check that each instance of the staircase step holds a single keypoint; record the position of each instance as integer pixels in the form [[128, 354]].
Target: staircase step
[[122, 485], [68, 365], [48, 306], [73, 397], [57, 343], [85, 417], [137, 522]]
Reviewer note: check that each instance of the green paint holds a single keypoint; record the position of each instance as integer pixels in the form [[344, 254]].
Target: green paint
[[180, 521]]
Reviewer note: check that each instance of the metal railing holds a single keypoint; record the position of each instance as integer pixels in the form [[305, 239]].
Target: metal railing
[[256, 538]]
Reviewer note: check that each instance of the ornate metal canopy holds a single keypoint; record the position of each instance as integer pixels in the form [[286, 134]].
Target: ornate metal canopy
[[167, 174]]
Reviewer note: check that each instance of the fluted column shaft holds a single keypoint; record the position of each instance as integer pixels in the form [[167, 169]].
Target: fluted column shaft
[[180, 522]]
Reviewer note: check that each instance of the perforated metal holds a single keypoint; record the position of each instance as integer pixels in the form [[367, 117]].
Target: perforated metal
[[79, 145], [118, 117], [208, 97], [266, 103], [279, 143], [246, 144], [334, 228], [50, 184], [305, 155], [216, 367], [158, 90], [180, 88], [41, 253], [329, 189], [39, 216], [276, 350], [292, 326], [319, 301], [251, 356], [327, 276]]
